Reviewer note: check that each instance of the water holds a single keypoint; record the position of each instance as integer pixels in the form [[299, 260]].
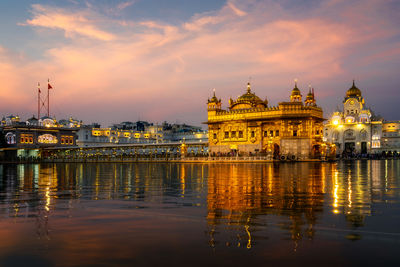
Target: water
[[330, 214]]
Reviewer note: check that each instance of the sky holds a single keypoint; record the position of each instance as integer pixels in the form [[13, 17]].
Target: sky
[[159, 60]]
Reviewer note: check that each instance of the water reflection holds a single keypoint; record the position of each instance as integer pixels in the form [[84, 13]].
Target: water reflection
[[238, 196], [237, 206]]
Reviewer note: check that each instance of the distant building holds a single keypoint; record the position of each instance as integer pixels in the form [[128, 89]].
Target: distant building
[[10, 120], [291, 129], [140, 132], [390, 142], [355, 130], [70, 123]]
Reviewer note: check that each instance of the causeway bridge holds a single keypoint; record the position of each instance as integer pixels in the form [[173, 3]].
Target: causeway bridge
[[127, 152]]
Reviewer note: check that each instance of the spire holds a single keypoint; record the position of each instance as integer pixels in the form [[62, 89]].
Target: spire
[[313, 92], [353, 83], [295, 83], [309, 88], [214, 92], [248, 87]]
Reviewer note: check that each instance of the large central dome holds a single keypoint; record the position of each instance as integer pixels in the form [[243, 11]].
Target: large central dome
[[248, 100], [353, 91]]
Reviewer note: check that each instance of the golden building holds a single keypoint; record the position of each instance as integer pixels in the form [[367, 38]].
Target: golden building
[[249, 126]]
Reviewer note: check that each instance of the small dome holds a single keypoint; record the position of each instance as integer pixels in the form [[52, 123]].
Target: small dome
[[353, 91], [214, 99], [296, 91]]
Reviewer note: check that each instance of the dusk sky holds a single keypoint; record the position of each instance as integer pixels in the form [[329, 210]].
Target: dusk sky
[[157, 60]]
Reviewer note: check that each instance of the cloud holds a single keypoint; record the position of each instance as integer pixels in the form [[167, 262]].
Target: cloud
[[72, 23], [124, 5], [236, 10], [160, 71]]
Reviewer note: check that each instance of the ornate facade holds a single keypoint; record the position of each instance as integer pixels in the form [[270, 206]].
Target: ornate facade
[[353, 131], [292, 129]]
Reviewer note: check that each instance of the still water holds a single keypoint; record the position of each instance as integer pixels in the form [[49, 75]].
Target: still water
[[339, 214]]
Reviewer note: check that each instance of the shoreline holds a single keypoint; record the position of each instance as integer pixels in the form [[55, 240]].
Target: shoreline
[[186, 160]]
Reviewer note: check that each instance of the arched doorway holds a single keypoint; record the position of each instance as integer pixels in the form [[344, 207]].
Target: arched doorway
[[276, 151], [316, 150]]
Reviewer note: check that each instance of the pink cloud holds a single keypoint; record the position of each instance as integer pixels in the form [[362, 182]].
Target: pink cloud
[[71, 23], [161, 72]]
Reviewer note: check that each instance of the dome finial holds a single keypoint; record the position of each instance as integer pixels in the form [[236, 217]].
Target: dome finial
[[214, 92], [248, 87], [354, 83], [295, 83]]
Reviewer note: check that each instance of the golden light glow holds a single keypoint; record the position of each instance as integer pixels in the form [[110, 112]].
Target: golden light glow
[[335, 122], [47, 139]]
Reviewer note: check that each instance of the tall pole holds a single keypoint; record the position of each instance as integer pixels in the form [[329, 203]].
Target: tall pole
[[48, 98], [38, 107]]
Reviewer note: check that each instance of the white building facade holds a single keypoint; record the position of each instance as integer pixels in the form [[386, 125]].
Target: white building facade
[[354, 130]]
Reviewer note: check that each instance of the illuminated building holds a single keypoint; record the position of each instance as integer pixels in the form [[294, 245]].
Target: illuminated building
[[390, 143], [139, 132], [10, 120], [249, 126], [24, 141], [355, 130]]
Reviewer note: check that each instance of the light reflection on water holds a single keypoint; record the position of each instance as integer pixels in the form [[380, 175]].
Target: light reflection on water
[[197, 214]]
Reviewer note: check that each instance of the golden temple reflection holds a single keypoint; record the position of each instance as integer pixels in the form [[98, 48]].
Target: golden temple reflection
[[239, 194]]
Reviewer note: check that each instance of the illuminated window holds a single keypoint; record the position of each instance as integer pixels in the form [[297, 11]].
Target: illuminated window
[[265, 133], [226, 135], [271, 133], [233, 134]]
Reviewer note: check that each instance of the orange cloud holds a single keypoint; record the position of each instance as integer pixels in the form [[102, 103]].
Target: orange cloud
[[157, 71]]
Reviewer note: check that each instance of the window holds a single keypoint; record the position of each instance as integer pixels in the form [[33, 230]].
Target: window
[[252, 134], [277, 133], [233, 134], [226, 135], [86, 137], [294, 132], [317, 132], [271, 133], [215, 136], [265, 133], [240, 134]]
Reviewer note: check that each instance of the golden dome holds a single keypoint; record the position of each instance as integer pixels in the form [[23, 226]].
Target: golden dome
[[353, 91], [214, 99], [310, 95], [249, 99], [296, 91]]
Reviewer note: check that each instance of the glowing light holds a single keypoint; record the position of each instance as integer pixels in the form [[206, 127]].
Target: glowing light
[[47, 139], [335, 122]]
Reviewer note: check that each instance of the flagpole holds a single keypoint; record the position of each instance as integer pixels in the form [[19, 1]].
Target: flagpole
[[48, 98], [38, 107]]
